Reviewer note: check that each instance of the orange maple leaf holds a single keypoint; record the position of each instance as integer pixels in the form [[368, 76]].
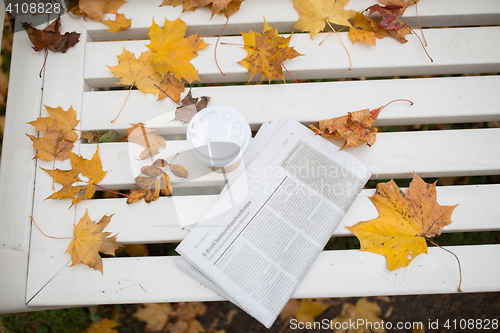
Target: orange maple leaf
[[172, 51], [404, 222], [143, 136], [120, 23], [226, 7], [365, 30], [356, 128], [314, 15], [52, 145], [95, 9], [92, 169], [266, 52], [90, 240], [66, 122]]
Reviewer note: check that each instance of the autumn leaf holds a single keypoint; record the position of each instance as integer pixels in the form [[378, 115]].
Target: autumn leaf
[[104, 325], [172, 51], [120, 23], [364, 312], [391, 21], [314, 15], [178, 318], [90, 240], [137, 72], [404, 222], [266, 52], [153, 182], [356, 128], [190, 106], [143, 136], [91, 169], [365, 30], [226, 7], [95, 9], [170, 87], [50, 37], [52, 145], [155, 315], [66, 122]]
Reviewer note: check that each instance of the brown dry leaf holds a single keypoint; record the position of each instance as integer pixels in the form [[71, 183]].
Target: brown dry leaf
[[92, 169], [172, 51], [50, 37], [120, 23], [104, 325], [356, 128], [314, 15], [66, 121], [52, 145], [405, 222], [170, 87], [90, 240], [156, 315], [137, 72], [154, 182], [391, 21], [226, 7], [364, 312], [95, 9], [266, 53], [143, 136]]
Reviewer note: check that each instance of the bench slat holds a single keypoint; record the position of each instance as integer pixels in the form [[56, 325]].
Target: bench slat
[[333, 274], [394, 155], [281, 14], [161, 221], [455, 50], [436, 101]]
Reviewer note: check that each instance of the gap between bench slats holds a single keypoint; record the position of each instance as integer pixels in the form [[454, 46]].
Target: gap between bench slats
[[160, 221], [454, 50], [282, 15], [436, 100], [333, 274], [444, 153]]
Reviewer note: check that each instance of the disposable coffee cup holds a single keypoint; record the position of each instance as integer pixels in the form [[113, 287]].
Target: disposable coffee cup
[[218, 136]]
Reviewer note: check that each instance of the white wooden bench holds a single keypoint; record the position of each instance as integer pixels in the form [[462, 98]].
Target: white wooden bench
[[35, 269]]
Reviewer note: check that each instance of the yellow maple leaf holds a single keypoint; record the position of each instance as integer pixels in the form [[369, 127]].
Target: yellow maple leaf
[[91, 169], [52, 145], [137, 72], [66, 122], [364, 312], [170, 87], [172, 51], [366, 30], [90, 239], [104, 325], [404, 222], [314, 15], [266, 52], [304, 310], [120, 23]]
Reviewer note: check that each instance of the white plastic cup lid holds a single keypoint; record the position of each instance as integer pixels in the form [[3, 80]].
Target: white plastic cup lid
[[218, 136]]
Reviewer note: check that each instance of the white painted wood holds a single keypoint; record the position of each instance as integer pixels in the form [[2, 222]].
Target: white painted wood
[[436, 101], [159, 222], [281, 14], [52, 282], [333, 274], [454, 50], [394, 155]]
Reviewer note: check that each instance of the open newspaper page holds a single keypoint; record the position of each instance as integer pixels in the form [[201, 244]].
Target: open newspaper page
[[269, 225]]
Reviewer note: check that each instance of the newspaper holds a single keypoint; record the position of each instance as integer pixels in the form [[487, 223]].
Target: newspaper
[[273, 218]]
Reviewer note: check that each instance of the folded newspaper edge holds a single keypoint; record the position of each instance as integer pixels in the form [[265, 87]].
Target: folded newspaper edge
[[273, 218]]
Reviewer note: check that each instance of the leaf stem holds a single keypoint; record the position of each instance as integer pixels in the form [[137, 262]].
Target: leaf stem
[[44, 62], [459, 266], [32, 219], [163, 91], [421, 44], [282, 64], [396, 100], [345, 48], [123, 106], [419, 25], [215, 49], [105, 189]]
